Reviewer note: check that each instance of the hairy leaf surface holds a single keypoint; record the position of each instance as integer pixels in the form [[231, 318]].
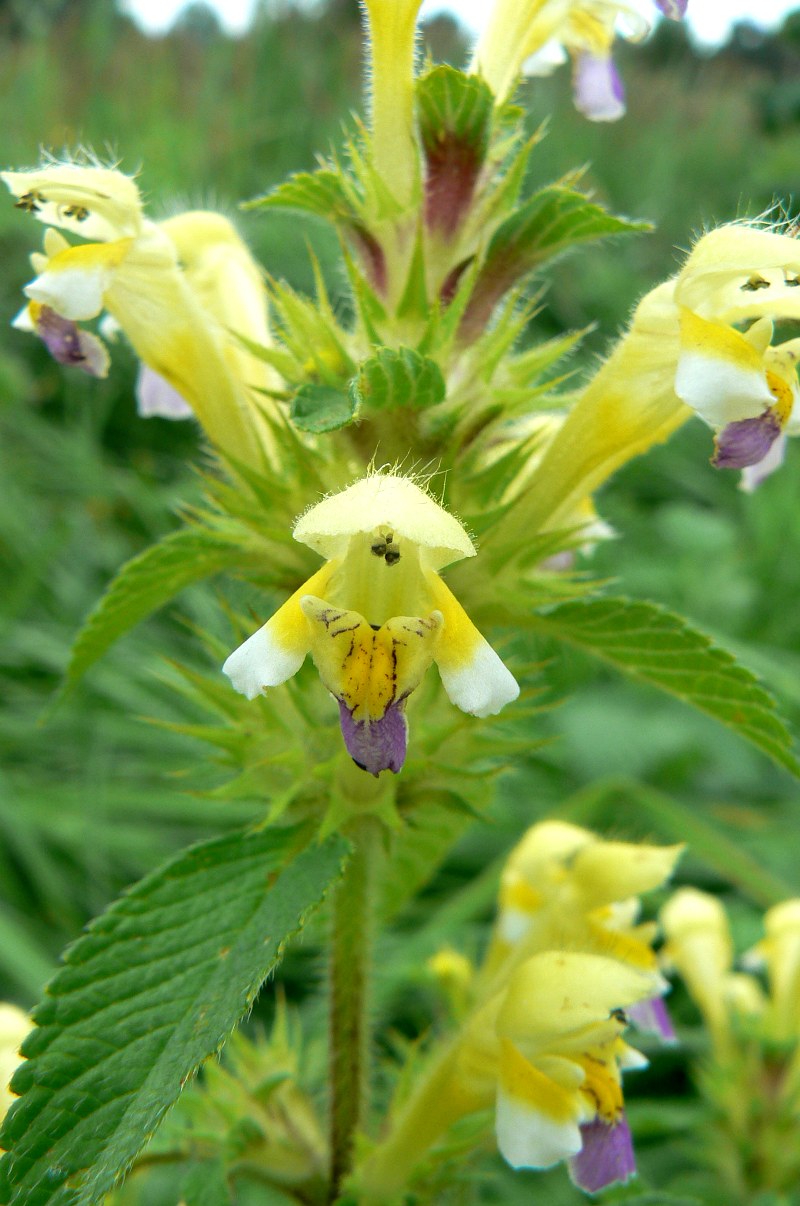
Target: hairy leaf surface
[[152, 990], [657, 647]]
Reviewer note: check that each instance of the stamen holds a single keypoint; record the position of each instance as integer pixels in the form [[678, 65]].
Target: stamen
[[754, 283], [30, 202]]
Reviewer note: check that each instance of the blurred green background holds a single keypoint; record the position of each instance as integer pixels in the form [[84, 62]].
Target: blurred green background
[[91, 793]]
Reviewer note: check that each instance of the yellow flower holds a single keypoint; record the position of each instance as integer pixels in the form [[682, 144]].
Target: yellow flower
[[532, 37], [375, 616], [550, 1047], [681, 353], [699, 947], [177, 289], [779, 953], [564, 885], [736, 380], [14, 1026]]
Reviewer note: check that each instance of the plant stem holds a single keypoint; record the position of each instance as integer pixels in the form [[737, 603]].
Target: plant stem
[[433, 1106], [349, 982]]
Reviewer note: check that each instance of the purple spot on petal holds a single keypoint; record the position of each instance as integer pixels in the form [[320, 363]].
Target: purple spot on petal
[[606, 1156], [652, 1017], [68, 344], [156, 398], [376, 745], [674, 9], [597, 87], [745, 442], [754, 475]]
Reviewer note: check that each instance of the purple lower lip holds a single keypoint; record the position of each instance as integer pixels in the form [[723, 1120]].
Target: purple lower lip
[[376, 745]]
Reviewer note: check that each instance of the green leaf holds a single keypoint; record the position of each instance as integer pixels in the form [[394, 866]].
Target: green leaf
[[653, 645], [152, 990], [321, 193], [453, 105], [396, 377], [206, 1185], [145, 584], [455, 120], [414, 302], [550, 222], [321, 408]]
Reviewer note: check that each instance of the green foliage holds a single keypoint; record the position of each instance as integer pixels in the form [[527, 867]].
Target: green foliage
[[396, 377], [322, 193], [170, 968], [549, 223], [651, 644], [552, 220], [90, 802], [152, 579], [454, 107], [318, 408]]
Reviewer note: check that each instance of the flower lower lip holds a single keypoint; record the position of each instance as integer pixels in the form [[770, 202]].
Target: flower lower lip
[[376, 745]]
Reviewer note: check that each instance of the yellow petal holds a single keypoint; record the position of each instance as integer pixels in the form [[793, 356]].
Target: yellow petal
[[557, 995], [699, 946], [227, 282], [738, 272], [384, 499], [278, 649], [609, 871], [95, 202], [76, 281], [474, 677], [368, 670], [537, 1119], [720, 374]]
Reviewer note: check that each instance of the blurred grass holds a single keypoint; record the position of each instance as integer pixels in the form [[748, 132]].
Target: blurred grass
[[93, 797]]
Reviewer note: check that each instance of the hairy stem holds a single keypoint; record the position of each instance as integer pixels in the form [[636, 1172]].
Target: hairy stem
[[349, 983]]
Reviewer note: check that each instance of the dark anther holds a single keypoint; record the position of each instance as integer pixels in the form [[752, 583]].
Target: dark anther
[[620, 1016], [792, 280], [754, 283], [379, 548], [392, 556], [79, 212], [29, 202]]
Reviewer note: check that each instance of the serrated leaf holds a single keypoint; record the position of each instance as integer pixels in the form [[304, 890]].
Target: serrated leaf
[[319, 408], [547, 224], [657, 647], [451, 102], [396, 377], [152, 990], [145, 584], [550, 221], [321, 193], [455, 117]]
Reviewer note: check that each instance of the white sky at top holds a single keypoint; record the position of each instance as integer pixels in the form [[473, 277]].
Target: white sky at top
[[709, 20]]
